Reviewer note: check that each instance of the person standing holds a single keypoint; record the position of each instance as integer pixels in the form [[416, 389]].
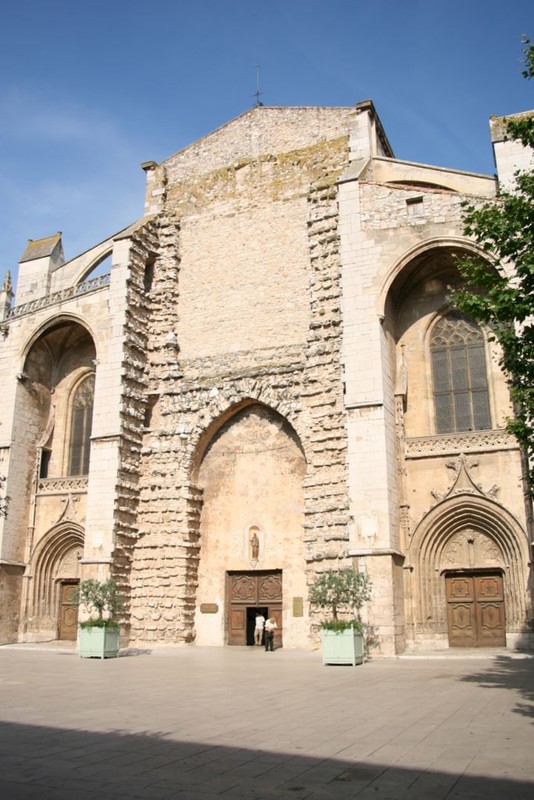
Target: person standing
[[270, 627], [259, 624]]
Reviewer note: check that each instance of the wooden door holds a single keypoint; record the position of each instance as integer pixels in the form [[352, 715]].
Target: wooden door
[[68, 611], [475, 610], [252, 590], [489, 598]]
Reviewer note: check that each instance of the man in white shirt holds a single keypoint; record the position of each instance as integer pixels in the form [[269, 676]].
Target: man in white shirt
[[270, 627], [258, 630]]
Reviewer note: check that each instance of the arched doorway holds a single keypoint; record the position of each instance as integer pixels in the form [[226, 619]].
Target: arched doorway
[[55, 574], [468, 556], [251, 528]]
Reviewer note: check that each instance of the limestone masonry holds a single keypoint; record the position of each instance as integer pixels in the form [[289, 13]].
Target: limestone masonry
[[261, 379]]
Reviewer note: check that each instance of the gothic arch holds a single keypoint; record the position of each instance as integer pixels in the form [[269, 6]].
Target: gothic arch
[[55, 321], [415, 296], [223, 407], [248, 506], [56, 556], [410, 260], [464, 532]]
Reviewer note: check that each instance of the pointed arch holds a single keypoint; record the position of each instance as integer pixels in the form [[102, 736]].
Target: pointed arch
[[226, 408], [249, 472], [393, 279], [483, 518], [74, 326], [55, 557]]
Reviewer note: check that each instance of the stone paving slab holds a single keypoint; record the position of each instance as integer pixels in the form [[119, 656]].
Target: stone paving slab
[[242, 724]]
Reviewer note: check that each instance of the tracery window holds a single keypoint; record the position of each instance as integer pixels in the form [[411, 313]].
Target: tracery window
[[80, 429], [460, 381]]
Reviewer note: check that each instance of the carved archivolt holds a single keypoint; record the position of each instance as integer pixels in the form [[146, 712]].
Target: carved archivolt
[[466, 531], [55, 558], [469, 549]]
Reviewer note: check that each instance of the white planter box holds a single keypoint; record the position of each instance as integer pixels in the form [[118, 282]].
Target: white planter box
[[99, 642], [343, 647]]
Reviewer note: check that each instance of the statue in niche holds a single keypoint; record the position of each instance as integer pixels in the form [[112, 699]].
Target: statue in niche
[[254, 544]]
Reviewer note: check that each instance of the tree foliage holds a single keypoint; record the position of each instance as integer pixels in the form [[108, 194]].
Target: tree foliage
[[102, 597], [502, 296], [340, 590]]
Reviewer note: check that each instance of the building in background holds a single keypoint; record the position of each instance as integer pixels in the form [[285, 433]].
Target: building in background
[[267, 381]]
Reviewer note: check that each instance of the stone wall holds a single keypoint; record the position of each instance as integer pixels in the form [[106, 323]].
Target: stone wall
[[245, 307], [133, 406], [10, 597]]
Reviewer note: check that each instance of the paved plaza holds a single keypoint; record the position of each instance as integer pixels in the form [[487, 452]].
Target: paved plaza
[[240, 723]]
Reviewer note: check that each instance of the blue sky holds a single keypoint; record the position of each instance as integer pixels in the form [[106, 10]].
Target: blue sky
[[90, 90]]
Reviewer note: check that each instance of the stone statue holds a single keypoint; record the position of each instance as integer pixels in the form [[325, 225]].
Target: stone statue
[[254, 546]]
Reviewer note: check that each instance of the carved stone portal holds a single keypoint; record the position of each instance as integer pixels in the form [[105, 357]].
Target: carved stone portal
[[471, 548]]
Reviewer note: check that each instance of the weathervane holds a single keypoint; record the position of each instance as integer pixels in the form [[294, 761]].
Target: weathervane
[[257, 93]]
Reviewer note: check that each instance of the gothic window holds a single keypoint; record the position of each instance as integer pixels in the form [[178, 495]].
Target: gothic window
[[80, 430], [460, 381]]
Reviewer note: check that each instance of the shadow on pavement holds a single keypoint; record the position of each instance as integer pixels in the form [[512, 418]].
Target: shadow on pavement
[[58, 764], [506, 673]]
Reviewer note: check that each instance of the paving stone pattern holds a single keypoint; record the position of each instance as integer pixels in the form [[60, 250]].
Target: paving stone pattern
[[241, 723]]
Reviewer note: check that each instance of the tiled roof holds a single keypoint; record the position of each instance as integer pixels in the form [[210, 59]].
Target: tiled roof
[[40, 248]]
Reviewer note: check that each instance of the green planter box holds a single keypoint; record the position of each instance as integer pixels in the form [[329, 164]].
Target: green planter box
[[99, 642], [344, 647]]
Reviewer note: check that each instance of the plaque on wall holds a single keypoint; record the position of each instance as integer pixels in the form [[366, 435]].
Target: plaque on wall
[[298, 606], [209, 608]]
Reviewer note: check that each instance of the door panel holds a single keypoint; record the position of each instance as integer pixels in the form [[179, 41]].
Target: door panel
[[252, 589], [461, 611], [488, 587], [276, 614], [237, 630], [475, 610], [270, 588], [68, 611], [490, 610], [244, 589]]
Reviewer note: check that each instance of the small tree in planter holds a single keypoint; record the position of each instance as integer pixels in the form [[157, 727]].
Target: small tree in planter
[[99, 635], [341, 591]]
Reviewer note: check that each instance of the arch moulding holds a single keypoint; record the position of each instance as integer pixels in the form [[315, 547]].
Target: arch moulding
[[482, 522], [224, 405], [447, 243], [50, 322]]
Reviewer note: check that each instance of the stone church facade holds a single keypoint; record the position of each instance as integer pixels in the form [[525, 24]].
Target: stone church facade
[[260, 379]]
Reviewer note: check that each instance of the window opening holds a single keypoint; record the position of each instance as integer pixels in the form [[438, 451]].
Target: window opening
[[459, 373], [148, 276], [81, 422], [44, 466], [414, 206]]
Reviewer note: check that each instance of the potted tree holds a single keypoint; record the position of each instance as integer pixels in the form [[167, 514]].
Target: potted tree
[[341, 591], [99, 632]]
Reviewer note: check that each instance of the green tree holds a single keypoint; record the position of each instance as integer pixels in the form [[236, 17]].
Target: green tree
[[500, 291], [340, 590], [102, 597]]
